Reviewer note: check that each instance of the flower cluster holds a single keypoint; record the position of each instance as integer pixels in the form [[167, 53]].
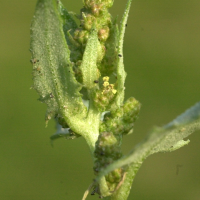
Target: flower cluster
[[112, 128], [105, 96], [95, 15], [106, 152], [122, 120]]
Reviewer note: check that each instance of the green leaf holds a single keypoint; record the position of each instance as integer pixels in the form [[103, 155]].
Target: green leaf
[[89, 62], [68, 20], [121, 74], [53, 76], [188, 116], [165, 139], [69, 24]]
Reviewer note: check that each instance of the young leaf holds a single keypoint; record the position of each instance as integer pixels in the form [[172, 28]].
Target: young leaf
[[121, 74], [89, 66], [162, 139]]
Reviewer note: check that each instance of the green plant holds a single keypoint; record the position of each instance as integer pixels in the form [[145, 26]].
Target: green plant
[[78, 72]]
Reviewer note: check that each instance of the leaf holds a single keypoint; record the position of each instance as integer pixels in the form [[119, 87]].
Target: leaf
[[160, 140], [68, 21], [53, 76], [189, 115], [121, 74], [69, 25], [89, 63]]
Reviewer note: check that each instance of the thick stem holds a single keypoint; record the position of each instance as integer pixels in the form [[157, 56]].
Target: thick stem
[[91, 140]]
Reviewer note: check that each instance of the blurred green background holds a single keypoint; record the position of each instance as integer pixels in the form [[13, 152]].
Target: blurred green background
[[162, 47]]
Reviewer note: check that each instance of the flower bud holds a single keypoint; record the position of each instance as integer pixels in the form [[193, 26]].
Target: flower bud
[[82, 36], [131, 109], [97, 9], [87, 21], [103, 34]]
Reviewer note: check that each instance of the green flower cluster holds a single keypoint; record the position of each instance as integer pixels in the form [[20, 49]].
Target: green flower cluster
[[122, 120], [112, 128], [104, 97], [106, 152], [94, 15]]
